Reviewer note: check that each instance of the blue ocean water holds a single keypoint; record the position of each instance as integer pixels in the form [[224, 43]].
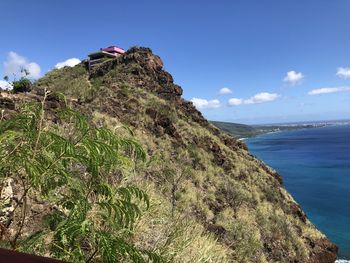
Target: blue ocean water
[[315, 167]]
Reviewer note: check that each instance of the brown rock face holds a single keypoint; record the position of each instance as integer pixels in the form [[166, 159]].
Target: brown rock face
[[146, 70], [152, 66], [323, 251], [144, 57], [7, 103]]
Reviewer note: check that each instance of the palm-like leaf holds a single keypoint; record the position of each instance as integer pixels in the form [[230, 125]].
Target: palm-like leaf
[[72, 167]]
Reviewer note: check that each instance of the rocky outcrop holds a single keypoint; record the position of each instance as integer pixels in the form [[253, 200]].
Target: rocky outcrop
[[7, 103], [145, 70], [322, 251]]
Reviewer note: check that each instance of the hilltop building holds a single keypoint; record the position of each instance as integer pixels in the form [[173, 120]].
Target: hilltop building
[[104, 53]]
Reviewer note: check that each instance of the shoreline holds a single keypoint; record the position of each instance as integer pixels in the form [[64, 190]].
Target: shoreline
[[342, 257], [291, 130]]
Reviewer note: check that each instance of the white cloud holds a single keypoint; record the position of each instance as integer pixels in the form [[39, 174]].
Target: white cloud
[[71, 62], [225, 91], [293, 78], [328, 90], [343, 72], [5, 85], [33, 69], [213, 104], [235, 102], [205, 104], [257, 98], [261, 98], [14, 64]]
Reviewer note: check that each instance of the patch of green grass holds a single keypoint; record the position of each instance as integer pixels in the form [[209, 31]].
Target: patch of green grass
[[72, 81]]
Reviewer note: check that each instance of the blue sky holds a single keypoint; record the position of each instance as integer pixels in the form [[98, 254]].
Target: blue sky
[[247, 46]]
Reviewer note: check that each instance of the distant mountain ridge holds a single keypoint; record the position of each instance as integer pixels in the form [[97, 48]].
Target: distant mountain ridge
[[244, 131], [236, 129]]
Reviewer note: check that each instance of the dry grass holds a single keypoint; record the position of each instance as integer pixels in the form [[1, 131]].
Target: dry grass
[[250, 224]]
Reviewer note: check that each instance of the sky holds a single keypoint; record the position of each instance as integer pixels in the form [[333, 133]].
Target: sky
[[247, 61]]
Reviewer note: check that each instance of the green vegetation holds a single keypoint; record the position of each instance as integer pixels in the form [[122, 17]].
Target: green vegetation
[[21, 85], [70, 81], [79, 169], [236, 129]]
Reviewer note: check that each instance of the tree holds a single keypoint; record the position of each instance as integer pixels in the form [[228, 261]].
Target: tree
[[72, 166], [24, 84]]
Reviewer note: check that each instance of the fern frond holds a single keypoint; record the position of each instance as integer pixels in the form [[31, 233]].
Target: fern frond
[[72, 169]]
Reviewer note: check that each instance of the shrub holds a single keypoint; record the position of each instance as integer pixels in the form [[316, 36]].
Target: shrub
[[22, 85], [73, 166]]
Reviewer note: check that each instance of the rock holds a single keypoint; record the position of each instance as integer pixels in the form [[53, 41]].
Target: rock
[[218, 156], [6, 200], [322, 251], [233, 143], [146, 68], [7, 103], [144, 57], [295, 209], [218, 230], [37, 208], [164, 78]]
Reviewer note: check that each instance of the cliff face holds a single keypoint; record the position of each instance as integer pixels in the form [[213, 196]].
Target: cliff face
[[212, 200]]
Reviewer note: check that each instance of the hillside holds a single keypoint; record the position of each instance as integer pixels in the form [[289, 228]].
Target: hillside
[[238, 130], [210, 199]]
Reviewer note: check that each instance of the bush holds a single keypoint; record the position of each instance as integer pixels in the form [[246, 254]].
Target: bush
[[22, 85], [73, 167]]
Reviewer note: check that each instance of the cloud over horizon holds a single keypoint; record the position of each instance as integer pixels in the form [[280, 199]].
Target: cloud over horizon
[[343, 72], [293, 78], [235, 102], [225, 91], [205, 104], [71, 62], [261, 97], [328, 90], [15, 63]]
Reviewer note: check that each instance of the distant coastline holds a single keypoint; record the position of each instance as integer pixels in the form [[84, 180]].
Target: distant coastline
[[244, 131]]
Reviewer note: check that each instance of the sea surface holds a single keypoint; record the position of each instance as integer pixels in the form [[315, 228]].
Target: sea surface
[[315, 167]]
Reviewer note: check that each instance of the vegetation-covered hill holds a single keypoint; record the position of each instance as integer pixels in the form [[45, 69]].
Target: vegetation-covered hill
[[210, 199], [244, 131], [236, 129]]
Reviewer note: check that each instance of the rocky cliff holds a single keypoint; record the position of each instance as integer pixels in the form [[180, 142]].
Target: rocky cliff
[[211, 200]]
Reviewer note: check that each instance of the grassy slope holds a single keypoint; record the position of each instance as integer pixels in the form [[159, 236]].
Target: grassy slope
[[236, 129], [244, 131], [211, 200]]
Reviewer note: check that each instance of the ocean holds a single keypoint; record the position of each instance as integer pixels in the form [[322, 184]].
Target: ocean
[[315, 167]]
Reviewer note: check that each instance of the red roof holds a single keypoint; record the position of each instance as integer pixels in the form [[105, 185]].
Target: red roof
[[113, 49]]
